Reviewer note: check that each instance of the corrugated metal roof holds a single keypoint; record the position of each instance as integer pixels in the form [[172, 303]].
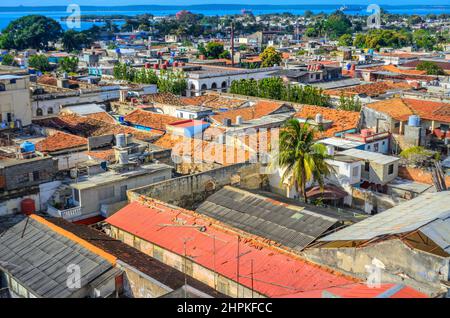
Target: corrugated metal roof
[[38, 258], [439, 232], [408, 216], [292, 226]]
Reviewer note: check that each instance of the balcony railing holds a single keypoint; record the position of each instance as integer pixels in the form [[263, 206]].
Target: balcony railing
[[67, 214]]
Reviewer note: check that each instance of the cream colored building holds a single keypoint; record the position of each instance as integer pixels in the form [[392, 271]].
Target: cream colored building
[[15, 102]]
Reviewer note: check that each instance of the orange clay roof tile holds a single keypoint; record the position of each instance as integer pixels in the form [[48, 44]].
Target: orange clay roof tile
[[342, 120], [60, 141]]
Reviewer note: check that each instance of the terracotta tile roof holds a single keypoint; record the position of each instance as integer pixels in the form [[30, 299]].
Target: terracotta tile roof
[[402, 108], [204, 151], [60, 141], [51, 81], [87, 127], [214, 101], [102, 116], [342, 120], [150, 119], [260, 109], [395, 69], [106, 155], [163, 98], [371, 89]]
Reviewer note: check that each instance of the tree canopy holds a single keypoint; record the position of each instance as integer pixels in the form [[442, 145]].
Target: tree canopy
[[39, 62], [430, 67], [32, 31], [270, 57]]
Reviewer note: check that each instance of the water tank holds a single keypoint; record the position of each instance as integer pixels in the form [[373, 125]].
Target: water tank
[[239, 120], [414, 121], [123, 157], [27, 146], [27, 206], [121, 140], [121, 119], [319, 118], [73, 173], [156, 66]]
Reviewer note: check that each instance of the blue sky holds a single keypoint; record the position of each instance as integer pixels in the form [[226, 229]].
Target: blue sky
[[187, 2]]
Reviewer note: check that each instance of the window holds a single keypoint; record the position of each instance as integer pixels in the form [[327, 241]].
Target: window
[[24, 178], [50, 110], [181, 115], [391, 169], [13, 81], [355, 172], [384, 142], [105, 193], [36, 176], [2, 87], [39, 112], [367, 166], [158, 253], [123, 192], [397, 125], [76, 195]]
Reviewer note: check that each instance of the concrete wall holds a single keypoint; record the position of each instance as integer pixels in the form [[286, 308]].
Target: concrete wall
[[139, 285], [91, 203], [187, 191], [16, 100], [418, 269], [14, 175], [379, 173]]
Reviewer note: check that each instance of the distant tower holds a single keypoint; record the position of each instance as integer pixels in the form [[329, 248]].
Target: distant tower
[[232, 44]]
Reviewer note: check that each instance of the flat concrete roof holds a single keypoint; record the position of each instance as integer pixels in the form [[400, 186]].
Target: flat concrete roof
[[370, 156]]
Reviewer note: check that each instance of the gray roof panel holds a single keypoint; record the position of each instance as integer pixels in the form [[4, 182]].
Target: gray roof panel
[[290, 225]]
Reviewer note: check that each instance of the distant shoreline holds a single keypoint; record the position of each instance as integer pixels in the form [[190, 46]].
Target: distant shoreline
[[212, 7]]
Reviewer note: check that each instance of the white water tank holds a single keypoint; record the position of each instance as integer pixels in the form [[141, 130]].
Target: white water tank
[[121, 140], [123, 157], [319, 118]]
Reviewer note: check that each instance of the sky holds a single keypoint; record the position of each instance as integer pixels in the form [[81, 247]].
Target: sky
[[188, 2]]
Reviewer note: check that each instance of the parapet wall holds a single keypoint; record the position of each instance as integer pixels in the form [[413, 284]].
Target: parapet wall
[[188, 191]]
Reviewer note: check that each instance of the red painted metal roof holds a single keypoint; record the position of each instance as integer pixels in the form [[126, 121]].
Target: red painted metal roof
[[275, 274], [360, 290]]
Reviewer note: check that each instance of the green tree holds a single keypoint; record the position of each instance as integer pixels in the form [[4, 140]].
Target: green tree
[[337, 24], [8, 59], [39, 62], [74, 41], [349, 103], [270, 57], [172, 82], [214, 50], [424, 39], [69, 64], [430, 67], [345, 40], [32, 31], [300, 157], [311, 33]]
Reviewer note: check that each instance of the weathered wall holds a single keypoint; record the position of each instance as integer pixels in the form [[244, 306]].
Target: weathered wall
[[187, 191], [418, 269], [418, 175], [139, 285]]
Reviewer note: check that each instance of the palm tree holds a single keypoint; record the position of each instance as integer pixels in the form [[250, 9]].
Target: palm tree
[[301, 158]]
